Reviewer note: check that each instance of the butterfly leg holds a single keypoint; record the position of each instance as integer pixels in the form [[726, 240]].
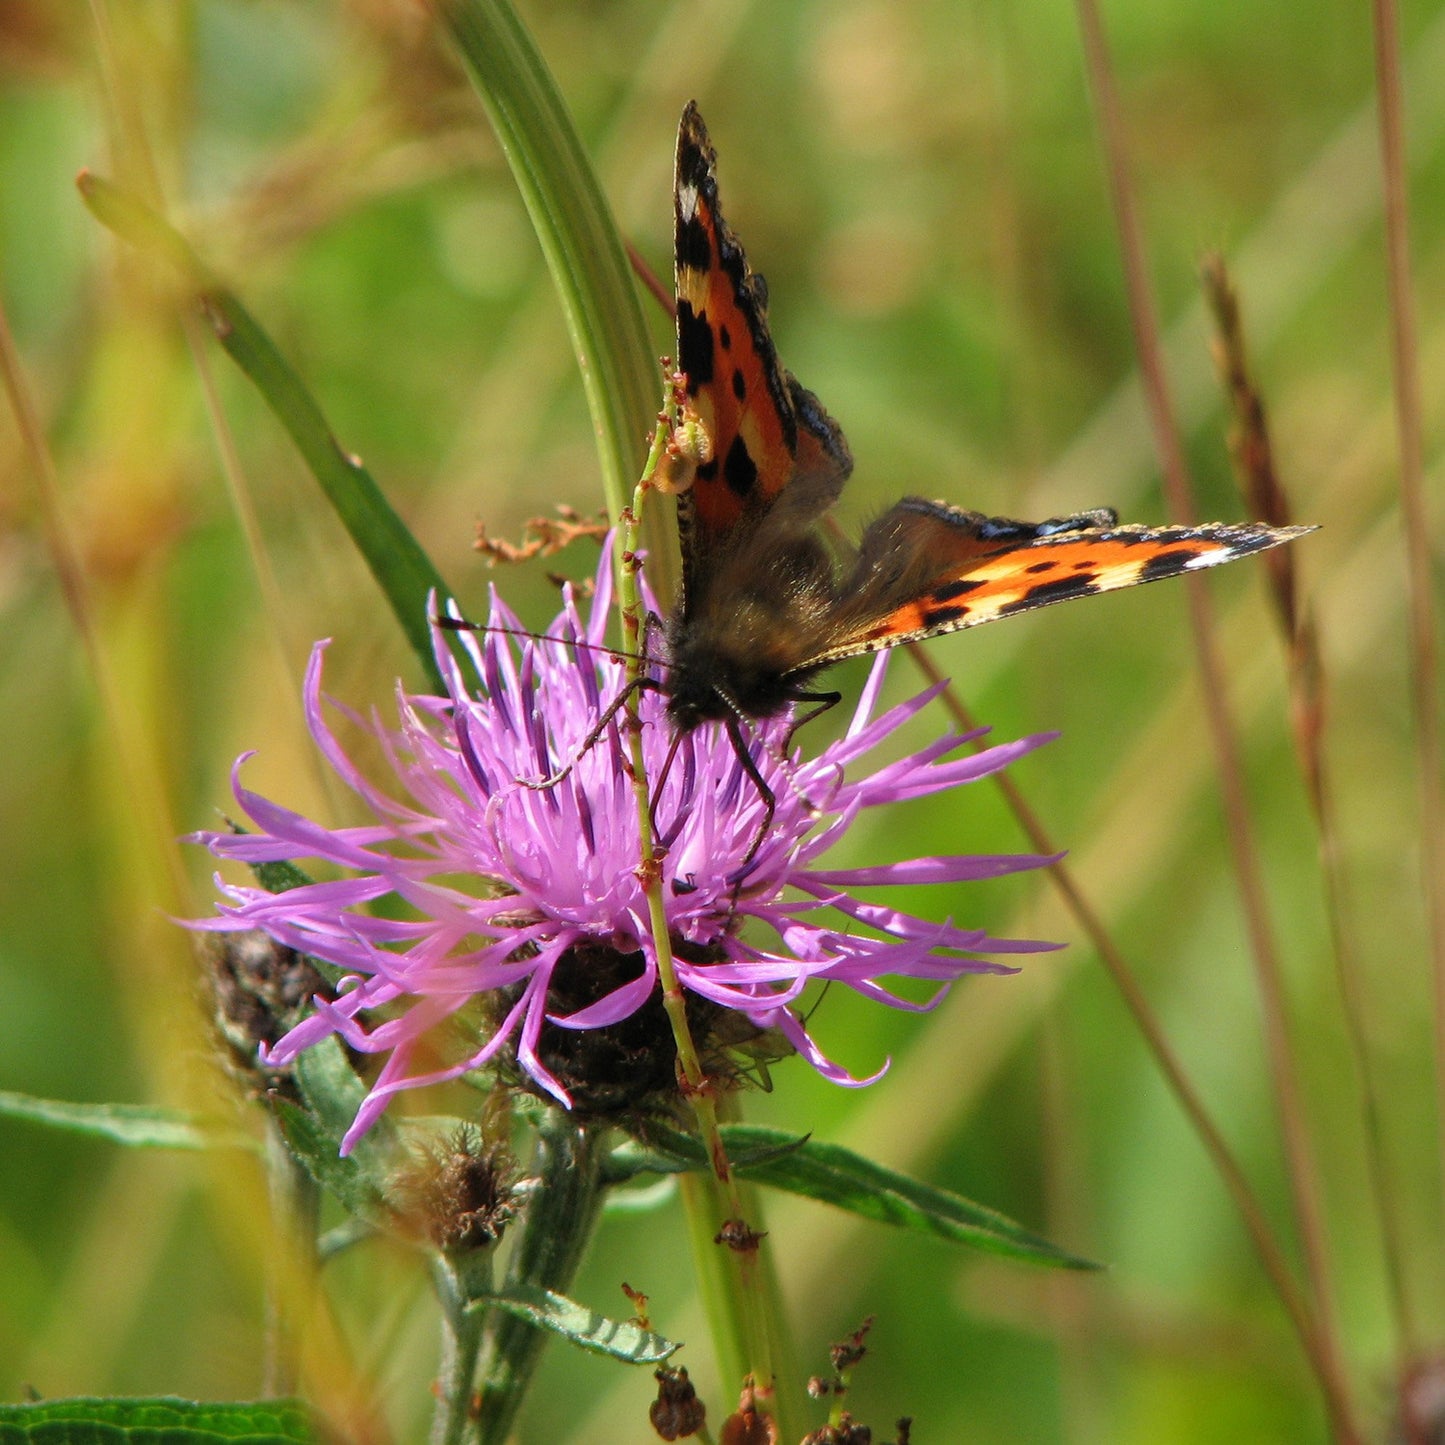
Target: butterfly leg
[[770, 802], [657, 784], [823, 700]]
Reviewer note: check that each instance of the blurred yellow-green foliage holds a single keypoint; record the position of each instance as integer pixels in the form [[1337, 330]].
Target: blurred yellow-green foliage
[[922, 185]]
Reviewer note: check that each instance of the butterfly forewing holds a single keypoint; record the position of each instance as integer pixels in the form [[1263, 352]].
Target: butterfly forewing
[[778, 458]]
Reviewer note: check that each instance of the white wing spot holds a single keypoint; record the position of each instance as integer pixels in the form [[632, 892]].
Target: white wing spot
[[1211, 558]]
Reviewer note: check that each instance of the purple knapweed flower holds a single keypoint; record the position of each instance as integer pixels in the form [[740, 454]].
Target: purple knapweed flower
[[528, 901]]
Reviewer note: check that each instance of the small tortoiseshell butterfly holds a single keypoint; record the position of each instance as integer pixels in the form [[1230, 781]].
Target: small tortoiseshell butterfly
[[762, 610]]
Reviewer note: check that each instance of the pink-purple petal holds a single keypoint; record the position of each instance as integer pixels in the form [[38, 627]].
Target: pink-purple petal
[[611, 1008], [968, 866]]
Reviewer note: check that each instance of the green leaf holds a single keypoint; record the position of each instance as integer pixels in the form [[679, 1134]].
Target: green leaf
[[330, 1086], [840, 1177], [141, 1126], [162, 1421], [583, 1327], [660, 1194], [402, 569], [669, 1151], [341, 1237], [574, 225], [279, 877], [346, 1177], [332, 1093]]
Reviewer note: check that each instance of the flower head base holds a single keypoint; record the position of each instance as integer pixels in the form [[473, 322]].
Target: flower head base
[[528, 900]]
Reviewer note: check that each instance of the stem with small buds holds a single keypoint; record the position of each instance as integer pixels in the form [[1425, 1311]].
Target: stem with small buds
[[743, 1333]]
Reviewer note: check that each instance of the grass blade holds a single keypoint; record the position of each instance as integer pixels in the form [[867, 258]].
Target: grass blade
[[396, 559]]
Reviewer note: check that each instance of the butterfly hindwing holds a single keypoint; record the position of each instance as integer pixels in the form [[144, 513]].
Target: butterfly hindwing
[[926, 568], [776, 452]]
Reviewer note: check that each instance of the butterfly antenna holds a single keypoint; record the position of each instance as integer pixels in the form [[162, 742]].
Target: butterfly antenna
[[617, 654], [817, 1002], [461, 624]]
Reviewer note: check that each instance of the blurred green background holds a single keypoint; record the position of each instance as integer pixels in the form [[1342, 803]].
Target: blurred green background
[[922, 186]]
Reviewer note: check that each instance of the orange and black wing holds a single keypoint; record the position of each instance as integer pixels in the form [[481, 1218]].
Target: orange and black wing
[[925, 568], [778, 458]]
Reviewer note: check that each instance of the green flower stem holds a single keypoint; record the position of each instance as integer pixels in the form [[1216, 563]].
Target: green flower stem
[[551, 1239], [459, 1282], [787, 1400], [736, 1297], [574, 225], [716, 1278]]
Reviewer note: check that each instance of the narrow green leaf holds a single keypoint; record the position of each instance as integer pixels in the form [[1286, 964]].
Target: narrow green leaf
[[574, 225], [279, 877], [402, 569], [332, 1093], [133, 220], [318, 1149], [660, 1194], [341, 1237], [581, 1326], [159, 1421], [330, 1086], [669, 1151], [141, 1126], [840, 1177]]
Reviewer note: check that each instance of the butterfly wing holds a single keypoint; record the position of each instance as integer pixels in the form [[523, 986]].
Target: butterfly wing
[[926, 568], [777, 454], [761, 611]]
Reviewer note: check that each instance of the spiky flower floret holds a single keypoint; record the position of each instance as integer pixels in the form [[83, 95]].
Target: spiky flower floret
[[517, 912]]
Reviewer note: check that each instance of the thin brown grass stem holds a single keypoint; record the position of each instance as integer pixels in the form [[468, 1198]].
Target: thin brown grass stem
[[650, 280], [1300, 1165], [1267, 501], [1251, 1212], [1414, 513], [243, 504], [1321, 1340], [64, 557]]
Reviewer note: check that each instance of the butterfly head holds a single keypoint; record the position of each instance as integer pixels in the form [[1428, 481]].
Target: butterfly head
[[740, 673], [693, 700]]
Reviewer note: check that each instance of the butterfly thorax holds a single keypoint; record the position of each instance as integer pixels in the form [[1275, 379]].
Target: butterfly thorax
[[745, 647], [712, 678]]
